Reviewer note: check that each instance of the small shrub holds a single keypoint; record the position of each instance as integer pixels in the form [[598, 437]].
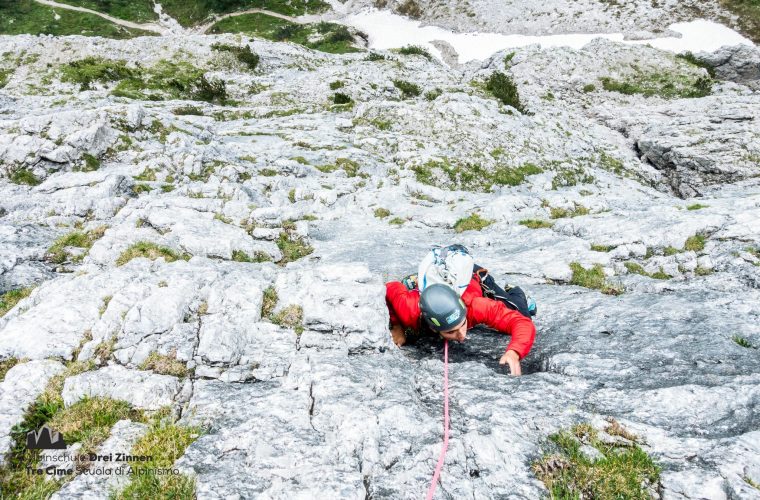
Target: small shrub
[[471, 223], [593, 278], [560, 213], [292, 247], [149, 250], [432, 95], [397, 221], [695, 243], [589, 87], [91, 163], [8, 300], [536, 223], [336, 84], [164, 364], [188, 110], [504, 89], [743, 342], [382, 213], [24, 176], [290, 317], [696, 206], [375, 56], [602, 248], [415, 50], [341, 98], [269, 302], [243, 54], [410, 8], [407, 89]]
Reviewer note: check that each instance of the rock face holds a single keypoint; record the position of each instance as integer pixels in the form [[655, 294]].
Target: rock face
[[229, 261]]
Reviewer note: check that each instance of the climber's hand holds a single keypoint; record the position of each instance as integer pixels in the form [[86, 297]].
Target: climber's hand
[[399, 337], [512, 359]]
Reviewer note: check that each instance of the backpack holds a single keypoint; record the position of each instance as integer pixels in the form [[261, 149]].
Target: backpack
[[451, 265]]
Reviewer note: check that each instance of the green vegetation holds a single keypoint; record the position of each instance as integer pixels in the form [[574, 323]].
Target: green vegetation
[[471, 176], [589, 87], [691, 59], [58, 254], [24, 176], [473, 222], [150, 250], [747, 16], [258, 256], [667, 86], [696, 206], [408, 89], [602, 248], [188, 110], [292, 247], [375, 56], [164, 80], [347, 165], [7, 363], [289, 317], [164, 364], [624, 471], [432, 95], [410, 8], [89, 420], [695, 243], [743, 342], [341, 98], [91, 163], [138, 189], [593, 278], [139, 11], [5, 76], [8, 300], [750, 482], [411, 50], [561, 213], [336, 84], [27, 16], [382, 213], [243, 54], [322, 36], [536, 223], [571, 177], [635, 268], [504, 89], [165, 443], [269, 302]]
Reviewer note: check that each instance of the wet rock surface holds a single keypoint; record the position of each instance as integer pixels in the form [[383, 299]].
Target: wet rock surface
[[306, 395]]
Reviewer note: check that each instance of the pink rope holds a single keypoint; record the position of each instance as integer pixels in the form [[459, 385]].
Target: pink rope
[[442, 457]]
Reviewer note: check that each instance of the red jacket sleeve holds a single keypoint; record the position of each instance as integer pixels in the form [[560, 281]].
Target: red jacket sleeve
[[403, 304], [498, 316]]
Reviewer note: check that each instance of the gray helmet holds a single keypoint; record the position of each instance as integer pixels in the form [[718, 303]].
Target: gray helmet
[[441, 307]]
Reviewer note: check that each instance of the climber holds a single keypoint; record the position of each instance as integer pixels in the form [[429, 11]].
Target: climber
[[440, 309]]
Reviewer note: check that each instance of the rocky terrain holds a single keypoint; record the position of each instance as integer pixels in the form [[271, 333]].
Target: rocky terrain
[[204, 239]]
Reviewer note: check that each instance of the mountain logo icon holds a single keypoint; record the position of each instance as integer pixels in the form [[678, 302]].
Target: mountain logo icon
[[45, 439]]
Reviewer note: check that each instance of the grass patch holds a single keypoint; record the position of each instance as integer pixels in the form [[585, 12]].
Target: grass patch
[[24, 176], [268, 302], [188, 110], [408, 89], [696, 206], [691, 59], [471, 176], [571, 177], [27, 16], [397, 221], [636, 268], [244, 54], [504, 89], [322, 36], [90, 70], [743, 342], [473, 222], [89, 420], [258, 256], [292, 247], [536, 223], [589, 87], [561, 213], [748, 16], [602, 248], [164, 364], [58, 254], [165, 443], [4, 77], [139, 11], [415, 50], [150, 250], [8, 300], [290, 317], [382, 213], [6, 365], [695, 243], [347, 165], [663, 85], [593, 278], [624, 472]]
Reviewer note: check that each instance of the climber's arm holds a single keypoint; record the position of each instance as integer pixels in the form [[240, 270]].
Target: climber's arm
[[403, 308], [499, 317]]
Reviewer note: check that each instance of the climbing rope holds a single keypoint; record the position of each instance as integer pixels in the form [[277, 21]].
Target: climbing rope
[[442, 457]]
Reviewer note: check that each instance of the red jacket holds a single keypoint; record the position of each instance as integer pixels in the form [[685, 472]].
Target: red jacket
[[404, 308]]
